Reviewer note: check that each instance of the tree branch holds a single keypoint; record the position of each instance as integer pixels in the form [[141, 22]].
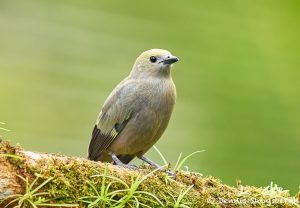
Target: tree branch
[[29, 179]]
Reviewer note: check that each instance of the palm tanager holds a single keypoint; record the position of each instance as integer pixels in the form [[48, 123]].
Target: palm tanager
[[137, 111]]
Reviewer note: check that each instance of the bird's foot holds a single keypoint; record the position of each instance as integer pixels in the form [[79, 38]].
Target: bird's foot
[[153, 164], [119, 163], [150, 162], [128, 166], [171, 174]]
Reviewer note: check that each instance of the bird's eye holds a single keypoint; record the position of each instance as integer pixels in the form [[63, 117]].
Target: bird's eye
[[153, 59]]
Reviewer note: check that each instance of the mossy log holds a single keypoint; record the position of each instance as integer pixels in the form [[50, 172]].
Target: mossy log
[[29, 179]]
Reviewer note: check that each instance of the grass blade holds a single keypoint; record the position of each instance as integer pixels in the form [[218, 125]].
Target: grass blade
[[161, 155], [179, 164]]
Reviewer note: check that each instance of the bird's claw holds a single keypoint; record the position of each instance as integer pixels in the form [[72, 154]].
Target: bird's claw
[[171, 174], [130, 167]]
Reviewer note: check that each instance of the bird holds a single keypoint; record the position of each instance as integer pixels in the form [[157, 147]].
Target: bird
[[137, 112]]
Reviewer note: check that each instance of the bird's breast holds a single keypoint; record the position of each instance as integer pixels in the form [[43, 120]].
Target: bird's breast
[[152, 111], [161, 96]]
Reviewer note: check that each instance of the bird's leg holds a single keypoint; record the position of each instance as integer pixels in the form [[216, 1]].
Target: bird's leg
[[120, 163], [148, 161]]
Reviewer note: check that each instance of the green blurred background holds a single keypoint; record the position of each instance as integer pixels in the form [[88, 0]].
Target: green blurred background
[[238, 78]]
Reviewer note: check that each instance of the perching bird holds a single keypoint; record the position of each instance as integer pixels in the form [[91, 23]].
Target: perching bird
[[137, 112]]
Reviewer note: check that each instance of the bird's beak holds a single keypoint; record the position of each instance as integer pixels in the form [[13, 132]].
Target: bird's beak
[[170, 60]]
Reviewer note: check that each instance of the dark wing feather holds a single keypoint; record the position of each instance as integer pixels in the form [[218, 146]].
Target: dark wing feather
[[98, 143], [93, 141], [105, 132]]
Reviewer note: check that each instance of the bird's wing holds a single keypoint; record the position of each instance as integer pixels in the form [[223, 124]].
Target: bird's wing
[[111, 121]]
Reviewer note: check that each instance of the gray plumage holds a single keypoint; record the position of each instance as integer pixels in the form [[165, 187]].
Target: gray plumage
[[137, 111]]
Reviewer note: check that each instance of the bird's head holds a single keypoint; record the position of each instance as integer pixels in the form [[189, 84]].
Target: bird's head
[[154, 62]]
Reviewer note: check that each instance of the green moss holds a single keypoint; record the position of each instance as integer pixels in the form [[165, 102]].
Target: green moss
[[12, 153], [80, 181]]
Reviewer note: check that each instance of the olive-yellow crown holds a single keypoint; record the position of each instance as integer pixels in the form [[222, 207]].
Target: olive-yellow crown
[[153, 62]]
